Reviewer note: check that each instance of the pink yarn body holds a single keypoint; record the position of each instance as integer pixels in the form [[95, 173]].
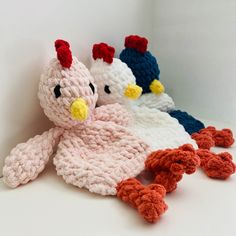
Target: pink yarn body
[[96, 153], [98, 156]]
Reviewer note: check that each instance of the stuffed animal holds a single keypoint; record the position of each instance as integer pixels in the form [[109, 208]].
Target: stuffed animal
[[158, 128], [147, 73], [146, 70], [95, 150], [155, 127]]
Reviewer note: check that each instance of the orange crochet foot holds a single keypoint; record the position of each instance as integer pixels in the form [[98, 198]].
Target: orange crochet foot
[[169, 165], [168, 180], [222, 138], [148, 200], [218, 166], [204, 140]]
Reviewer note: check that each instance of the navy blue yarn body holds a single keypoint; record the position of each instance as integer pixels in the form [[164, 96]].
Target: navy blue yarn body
[[190, 124], [143, 65], [145, 69]]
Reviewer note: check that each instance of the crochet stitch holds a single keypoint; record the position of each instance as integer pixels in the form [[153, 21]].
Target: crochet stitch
[[218, 166], [27, 160], [209, 137], [136, 42], [222, 138], [190, 124], [147, 199], [147, 73], [162, 102], [203, 140], [169, 165], [158, 129], [103, 51], [63, 53], [94, 148], [140, 61]]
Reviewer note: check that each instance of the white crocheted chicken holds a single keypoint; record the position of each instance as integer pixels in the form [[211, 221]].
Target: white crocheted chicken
[[155, 127], [113, 78], [95, 149]]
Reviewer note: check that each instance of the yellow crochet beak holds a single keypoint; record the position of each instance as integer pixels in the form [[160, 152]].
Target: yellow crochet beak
[[133, 91], [157, 87], [79, 109]]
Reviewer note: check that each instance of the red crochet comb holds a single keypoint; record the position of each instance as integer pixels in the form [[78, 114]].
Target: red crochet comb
[[136, 42], [63, 53], [103, 51]]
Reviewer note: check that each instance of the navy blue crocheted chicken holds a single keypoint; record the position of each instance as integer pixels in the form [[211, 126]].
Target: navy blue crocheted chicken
[[146, 70], [143, 65]]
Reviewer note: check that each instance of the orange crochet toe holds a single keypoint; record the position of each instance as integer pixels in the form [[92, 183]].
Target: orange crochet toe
[[169, 165], [222, 138], [168, 180], [148, 200], [204, 140], [158, 188], [218, 166]]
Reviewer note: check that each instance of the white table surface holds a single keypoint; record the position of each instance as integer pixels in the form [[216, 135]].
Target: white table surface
[[48, 206]]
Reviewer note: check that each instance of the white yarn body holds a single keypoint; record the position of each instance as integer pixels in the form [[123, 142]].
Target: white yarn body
[[116, 76], [158, 129], [162, 102]]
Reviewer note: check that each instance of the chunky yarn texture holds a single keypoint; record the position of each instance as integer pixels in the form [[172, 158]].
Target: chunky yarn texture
[[217, 166], [169, 165], [95, 151], [158, 129], [209, 137], [147, 199], [98, 156], [162, 102], [190, 124], [146, 70], [141, 62], [27, 160], [94, 148]]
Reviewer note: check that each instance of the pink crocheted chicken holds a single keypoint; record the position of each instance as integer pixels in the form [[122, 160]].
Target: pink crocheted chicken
[[95, 150]]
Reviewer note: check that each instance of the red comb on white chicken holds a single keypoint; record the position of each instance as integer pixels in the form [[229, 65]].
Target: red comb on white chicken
[[103, 51]]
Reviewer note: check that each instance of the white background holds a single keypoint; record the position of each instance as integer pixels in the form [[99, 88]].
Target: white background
[[195, 41]]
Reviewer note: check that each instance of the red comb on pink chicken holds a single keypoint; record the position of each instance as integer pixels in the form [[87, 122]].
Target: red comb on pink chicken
[[63, 53]]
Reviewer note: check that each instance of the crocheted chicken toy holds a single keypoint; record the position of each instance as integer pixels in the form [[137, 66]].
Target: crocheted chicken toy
[[147, 73], [146, 70], [95, 150], [157, 128]]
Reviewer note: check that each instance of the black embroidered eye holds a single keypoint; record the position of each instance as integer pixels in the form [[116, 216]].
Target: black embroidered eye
[[57, 91], [106, 89], [92, 87]]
